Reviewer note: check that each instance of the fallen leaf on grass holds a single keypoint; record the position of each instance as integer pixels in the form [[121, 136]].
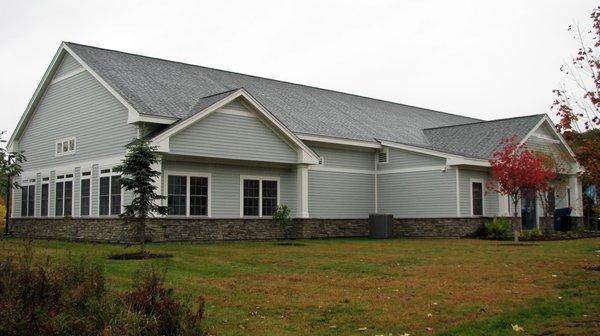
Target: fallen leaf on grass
[[362, 329], [517, 328]]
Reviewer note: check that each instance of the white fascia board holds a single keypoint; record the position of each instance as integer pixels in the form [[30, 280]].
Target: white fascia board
[[339, 141], [134, 117], [549, 122], [451, 159], [307, 156]]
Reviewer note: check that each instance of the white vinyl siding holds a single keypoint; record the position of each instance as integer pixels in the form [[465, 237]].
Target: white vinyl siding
[[402, 159], [345, 158], [340, 195], [68, 65], [490, 198]]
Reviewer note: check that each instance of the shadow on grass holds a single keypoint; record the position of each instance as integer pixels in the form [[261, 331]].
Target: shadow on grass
[[289, 244], [139, 256]]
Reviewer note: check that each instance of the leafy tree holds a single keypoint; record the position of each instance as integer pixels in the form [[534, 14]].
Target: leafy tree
[[139, 176], [282, 217], [10, 167], [516, 171]]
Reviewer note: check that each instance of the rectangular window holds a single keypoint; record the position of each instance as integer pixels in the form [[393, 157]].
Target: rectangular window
[[65, 146], [28, 201], [64, 199], [58, 203], [269, 197], [198, 196], [85, 197], [260, 197], [251, 197], [177, 195], [45, 200], [110, 195], [477, 198]]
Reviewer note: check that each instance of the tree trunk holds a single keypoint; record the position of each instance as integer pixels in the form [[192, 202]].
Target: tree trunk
[[142, 233], [515, 221]]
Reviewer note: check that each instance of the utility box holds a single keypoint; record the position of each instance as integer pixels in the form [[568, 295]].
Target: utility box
[[381, 226]]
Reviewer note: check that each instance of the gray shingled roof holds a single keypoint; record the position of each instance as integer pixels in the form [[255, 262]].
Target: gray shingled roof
[[480, 139], [172, 89]]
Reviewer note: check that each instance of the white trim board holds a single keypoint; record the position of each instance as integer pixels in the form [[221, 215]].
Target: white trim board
[[376, 172], [471, 181]]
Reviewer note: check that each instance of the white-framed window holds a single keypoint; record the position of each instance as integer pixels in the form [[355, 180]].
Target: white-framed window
[[45, 199], [28, 199], [477, 197], [85, 194], [63, 195], [110, 196], [259, 195], [383, 156], [188, 193], [65, 146]]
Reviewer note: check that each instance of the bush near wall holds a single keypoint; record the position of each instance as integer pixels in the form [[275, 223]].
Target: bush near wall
[[42, 298], [2, 215]]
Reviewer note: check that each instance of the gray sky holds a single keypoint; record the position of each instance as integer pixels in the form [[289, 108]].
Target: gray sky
[[484, 59]]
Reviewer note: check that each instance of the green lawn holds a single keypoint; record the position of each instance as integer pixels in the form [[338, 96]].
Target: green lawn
[[341, 286]]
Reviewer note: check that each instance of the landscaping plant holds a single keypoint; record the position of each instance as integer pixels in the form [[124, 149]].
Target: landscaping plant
[[498, 228], [282, 217], [138, 175], [516, 170], [69, 298]]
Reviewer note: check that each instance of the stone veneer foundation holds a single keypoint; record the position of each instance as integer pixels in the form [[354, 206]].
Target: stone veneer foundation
[[197, 229]]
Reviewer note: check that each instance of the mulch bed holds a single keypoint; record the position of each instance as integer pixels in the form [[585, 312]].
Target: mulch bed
[[139, 256]]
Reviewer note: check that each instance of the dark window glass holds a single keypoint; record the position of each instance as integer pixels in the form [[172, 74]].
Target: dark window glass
[[251, 197], [58, 204], [104, 195], [198, 196], [68, 198], [28, 201], [176, 195], [269, 197], [85, 197], [45, 203], [477, 197], [115, 195]]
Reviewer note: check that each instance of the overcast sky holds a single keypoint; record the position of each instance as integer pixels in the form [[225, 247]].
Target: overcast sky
[[484, 59]]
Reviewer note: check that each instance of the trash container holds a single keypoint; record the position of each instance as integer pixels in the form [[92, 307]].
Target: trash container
[[562, 219], [381, 225]]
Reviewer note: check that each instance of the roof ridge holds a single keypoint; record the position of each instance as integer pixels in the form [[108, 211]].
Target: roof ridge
[[485, 121], [271, 79]]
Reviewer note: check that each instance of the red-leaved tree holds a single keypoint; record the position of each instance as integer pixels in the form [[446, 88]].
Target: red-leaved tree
[[516, 170]]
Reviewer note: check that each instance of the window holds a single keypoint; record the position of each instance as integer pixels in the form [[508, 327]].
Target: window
[[477, 198], [65, 146], [28, 201], [85, 197], [64, 198], [187, 195], [260, 196], [110, 195], [569, 197], [177, 195], [45, 199], [383, 155], [198, 196]]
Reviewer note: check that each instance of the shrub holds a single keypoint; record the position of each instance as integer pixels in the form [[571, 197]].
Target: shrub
[[281, 216], [70, 299], [498, 228], [532, 234]]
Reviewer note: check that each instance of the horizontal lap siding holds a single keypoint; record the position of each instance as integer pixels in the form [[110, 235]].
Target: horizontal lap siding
[[233, 137], [69, 64], [346, 158], [77, 106], [340, 195], [418, 194], [491, 199], [225, 184], [401, 159]]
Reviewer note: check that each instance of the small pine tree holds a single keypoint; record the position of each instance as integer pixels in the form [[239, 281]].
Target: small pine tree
[[138, 176]]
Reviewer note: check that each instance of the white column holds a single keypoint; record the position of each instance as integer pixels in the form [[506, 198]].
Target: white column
[[158, 182], [503, 206], [576, 196], [302, 186]]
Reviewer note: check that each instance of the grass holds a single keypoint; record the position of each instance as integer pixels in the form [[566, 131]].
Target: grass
[[332, 287]]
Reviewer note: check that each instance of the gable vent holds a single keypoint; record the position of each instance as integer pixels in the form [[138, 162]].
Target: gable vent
[[383, 156]]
